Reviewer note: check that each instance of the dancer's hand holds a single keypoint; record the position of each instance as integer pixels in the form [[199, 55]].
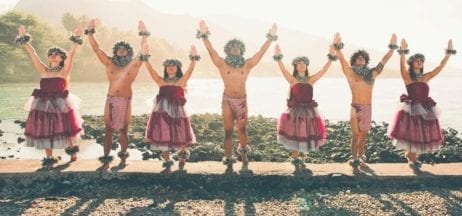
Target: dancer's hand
[[21, 30], [277, 50], [193, 50], [403, 44], [203, 27], [450, 44], [141, 26], [78, 31], [273, 30], [91, 24], [337, 38], [394, 39]]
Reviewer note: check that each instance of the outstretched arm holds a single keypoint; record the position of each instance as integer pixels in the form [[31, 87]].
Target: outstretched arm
[[449, 51], [257, 57], [144, 34], [155, 76], [278, 57], [319, 74], [39, 66], [135, 65], [204, 33], [194, 58], [403, 50], [102, 56], [378, 69], [338, 45], [70, 57]]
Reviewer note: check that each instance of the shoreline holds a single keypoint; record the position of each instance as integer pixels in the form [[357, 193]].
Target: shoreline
[[209, 147]]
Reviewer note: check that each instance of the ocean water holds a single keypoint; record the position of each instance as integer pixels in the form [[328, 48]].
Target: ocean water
[[266, 97]]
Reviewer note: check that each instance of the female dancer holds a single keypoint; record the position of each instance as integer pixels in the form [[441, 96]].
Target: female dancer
[[53, 122], [301, 128], [416, 128], [169, 127]]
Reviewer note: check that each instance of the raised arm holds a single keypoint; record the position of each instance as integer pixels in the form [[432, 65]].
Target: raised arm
[[392, 46], [449, 51], [330, 57], [194, 58], [76, 41], [338, 45], [278, 57], [403, 50], [24, 39], [155, 76], [204, 33], [144, 34], [271, 36], [102, 56]]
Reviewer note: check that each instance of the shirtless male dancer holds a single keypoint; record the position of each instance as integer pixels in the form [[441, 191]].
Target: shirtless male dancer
[[121, 71], [361, 80], [234, 70]]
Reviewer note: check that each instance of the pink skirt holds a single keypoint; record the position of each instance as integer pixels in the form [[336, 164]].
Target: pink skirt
[[169, 127], [416, 128], [52, 122], [301, 129]]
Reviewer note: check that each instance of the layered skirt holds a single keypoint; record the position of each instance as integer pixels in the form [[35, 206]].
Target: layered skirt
[[416, 127], [301, 128], [169, 126], [53, 120]]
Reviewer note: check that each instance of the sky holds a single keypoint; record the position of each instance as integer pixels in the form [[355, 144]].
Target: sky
[[426, 24]]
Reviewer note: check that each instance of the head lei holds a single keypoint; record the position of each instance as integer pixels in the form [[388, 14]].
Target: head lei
[[235, 61], [301, 59], [415, 74], [415, 57], [121, 61], [172, 62], [60, 51]]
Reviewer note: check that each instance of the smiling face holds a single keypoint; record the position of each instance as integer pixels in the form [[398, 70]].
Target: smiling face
[[301, 68], [234, 47], [417, 64], [360, 61], [235, 50], [171, 70], [122, 52], [55, 59]]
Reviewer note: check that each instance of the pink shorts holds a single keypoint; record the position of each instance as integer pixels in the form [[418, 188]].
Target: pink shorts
[[238, 106], [118, 107], [363, 116]]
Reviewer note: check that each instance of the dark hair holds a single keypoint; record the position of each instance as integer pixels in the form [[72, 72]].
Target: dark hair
[[295, 73], [61, 52], [358, 53], [179, 72]]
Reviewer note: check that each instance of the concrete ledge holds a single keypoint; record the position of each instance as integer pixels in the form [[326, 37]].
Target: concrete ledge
[[210, 174]]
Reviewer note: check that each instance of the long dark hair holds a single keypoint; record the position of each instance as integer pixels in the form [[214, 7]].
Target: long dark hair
[[295, 73]]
